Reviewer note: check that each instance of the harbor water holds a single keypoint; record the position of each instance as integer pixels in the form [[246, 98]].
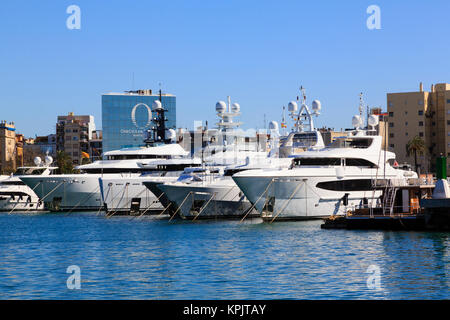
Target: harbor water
[[150, 258]]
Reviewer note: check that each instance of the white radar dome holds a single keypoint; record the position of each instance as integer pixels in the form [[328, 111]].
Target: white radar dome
[[221, 107], [171, 134], [292, 107], [373, 120], [273, 125], [316, 106], [356, 121], [157, 105], [235, 107], [37, 161], [48, 160]]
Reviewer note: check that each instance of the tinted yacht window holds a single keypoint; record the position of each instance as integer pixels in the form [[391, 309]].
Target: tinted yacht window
[[347, 185]]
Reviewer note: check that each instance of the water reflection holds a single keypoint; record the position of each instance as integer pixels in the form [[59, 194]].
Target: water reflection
[[154, 259]]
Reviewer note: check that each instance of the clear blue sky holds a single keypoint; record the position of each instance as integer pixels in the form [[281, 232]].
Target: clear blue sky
[[259, 52]]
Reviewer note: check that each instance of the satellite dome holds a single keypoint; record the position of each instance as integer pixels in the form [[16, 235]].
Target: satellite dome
[[48, 160], [221, 107], [373, 120], [235, 107], [273, 125], [316, 106], [157, 105], [356, 121], [292, 106], [171, 134], [37, 161]]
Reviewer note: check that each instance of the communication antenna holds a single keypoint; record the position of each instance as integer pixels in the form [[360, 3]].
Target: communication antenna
[[304, 114], [361, 105]]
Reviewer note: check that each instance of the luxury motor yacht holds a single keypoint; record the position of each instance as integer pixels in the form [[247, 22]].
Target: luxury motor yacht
[[326, 181], [82, 191], [206, 196], [16, 195]]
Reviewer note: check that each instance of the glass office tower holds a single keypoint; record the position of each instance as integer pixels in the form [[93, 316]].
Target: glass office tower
[[127, 116]]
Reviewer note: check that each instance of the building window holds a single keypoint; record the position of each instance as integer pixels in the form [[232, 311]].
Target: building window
[[420, 102], [391, 145], [390, 104], [406, 123], [448, 100], [406, 133], [433, 123], [391, 124], [391, 114], [420, 112], [420, 123], [434, 134], [448, 122], [391, 135], [420, 134], [75, 138], [75, 130]]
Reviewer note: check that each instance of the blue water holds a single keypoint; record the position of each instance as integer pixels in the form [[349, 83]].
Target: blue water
[[125, 258]]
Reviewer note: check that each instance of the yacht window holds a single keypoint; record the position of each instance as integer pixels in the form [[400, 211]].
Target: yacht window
[[347, 185], [355, 162], [351, 143], [12, 183], [317, 162], [304, 140]]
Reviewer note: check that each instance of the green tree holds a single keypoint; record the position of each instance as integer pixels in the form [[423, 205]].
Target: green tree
[[64, 162], [413, 147]]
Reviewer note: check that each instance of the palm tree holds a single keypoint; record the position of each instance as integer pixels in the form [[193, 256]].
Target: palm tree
[[414, 146], [64, 162]]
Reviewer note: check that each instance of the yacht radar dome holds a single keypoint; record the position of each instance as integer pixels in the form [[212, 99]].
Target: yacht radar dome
[[171, 134], [37, 161], [157, 105], [235, 107], [316, 106], [356, 121], [373, 120], [292, 107], [48, 160], [273, 125], [221, 106]]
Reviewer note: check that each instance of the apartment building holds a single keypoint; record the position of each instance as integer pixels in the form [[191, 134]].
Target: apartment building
[[425, 114], [73, 134], [7, 147]]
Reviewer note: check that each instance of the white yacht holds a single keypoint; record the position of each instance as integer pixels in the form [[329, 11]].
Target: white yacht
[[16, 195], [326, 181], [82, 191], [207, 196]]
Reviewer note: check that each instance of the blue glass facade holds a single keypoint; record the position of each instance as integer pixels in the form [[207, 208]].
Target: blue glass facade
[[126, 117]]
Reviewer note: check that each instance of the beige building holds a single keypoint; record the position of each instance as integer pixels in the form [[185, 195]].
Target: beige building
[[421, 113], [73, 134], [7, 147]]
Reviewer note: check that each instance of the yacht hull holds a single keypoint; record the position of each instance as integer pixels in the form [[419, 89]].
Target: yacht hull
[[68, 192], [208, 202], [131, 196], [298, 198]]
